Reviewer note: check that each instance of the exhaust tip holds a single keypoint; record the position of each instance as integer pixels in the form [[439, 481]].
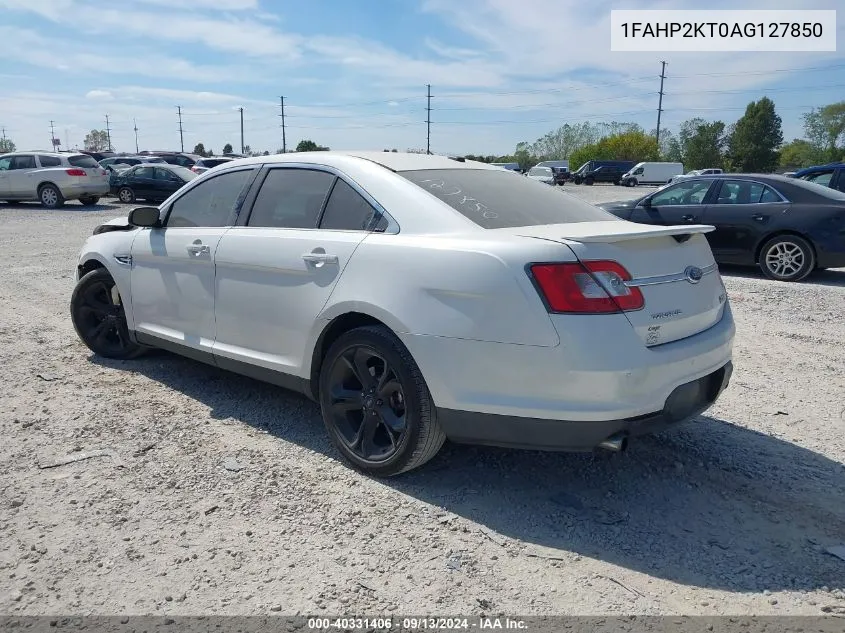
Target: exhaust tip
[[615, 443]]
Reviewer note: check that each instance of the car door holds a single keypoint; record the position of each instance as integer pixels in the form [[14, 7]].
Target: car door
[[681, 203], [5, 164], [166, 183], [142, 181], [275, 272], [743, 212], [21, 179], [172, 275]]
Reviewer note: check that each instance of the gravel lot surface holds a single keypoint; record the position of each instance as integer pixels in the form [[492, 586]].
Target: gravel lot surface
[[220, 494]]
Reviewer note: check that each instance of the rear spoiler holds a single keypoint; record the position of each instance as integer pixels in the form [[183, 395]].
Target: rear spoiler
[[633, 232]]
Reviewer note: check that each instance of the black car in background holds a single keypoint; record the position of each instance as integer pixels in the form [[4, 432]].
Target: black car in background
[[182, 159], [786, 226], [602, 171], [831, 175], [150, 182]]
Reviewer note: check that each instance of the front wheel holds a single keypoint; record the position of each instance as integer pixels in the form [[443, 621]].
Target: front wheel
[[588, 181], [375, 404], [89, 200], [51, 197], [787, 258], [96, 310], [126, 195]]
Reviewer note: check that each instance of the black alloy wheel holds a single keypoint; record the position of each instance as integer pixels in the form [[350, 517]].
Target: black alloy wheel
[[375, 404], [99, 319]]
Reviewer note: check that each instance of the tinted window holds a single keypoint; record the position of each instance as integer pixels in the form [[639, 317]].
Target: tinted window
[[743, 192], [83, 161], [49, 161], [494, 198], [5, 163], [184, 161], [769, 195], [819, 190], [23, 162], [164, 174], [685, 192], [210, 203], [841, 182], [155, 159], [291, 198], [143, 172], [820, 178], [347, 210]]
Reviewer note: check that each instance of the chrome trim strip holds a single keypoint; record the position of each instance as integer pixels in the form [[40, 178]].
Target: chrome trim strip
[[667, 279]]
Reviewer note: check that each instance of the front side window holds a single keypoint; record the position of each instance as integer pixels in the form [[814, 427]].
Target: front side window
[[744, 192], [291, 199], [211, 202], [347, 210], [689, 192], [23, 162], [638, 172], [5, 163]]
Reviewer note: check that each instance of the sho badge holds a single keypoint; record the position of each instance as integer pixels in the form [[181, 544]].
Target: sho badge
[[693, 274]]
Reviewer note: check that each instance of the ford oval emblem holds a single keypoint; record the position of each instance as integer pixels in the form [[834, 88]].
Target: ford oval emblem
[[693, 274]]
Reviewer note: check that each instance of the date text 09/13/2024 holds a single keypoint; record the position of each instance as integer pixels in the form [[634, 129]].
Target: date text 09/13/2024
[[415, 624]]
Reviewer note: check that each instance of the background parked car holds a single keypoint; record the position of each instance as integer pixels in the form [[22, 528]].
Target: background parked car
[[176, 158], [710, 171], [601, 171], [542, 174], [97, 156], [52, 178], [652, 173], [204, 164], [831, 175], [121, 163], [148, 182], [786, 226]]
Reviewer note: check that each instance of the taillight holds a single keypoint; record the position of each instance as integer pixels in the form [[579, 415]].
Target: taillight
[[195, 170], [593, 287], [75, 172]]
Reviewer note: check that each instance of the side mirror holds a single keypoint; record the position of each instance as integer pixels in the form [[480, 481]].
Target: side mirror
[[146, 217]]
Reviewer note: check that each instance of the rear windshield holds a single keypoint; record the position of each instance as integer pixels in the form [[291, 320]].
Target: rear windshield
[[183, 172], [83, 160], [498, 199], [213, 162]]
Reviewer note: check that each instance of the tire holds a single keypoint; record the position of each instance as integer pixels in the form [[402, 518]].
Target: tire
[[126, 195], [588, 181], [50, 196], [631, 182], [98, 321], [397, 442], [89, 200], [787, 258]]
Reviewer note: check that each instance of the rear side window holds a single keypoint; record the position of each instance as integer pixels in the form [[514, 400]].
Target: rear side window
[[83, 160], [49, 161], [496, 199], [291, 199], [347, 210], [211, 202]]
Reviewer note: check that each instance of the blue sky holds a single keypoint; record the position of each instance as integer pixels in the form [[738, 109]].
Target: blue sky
[[354, 72]]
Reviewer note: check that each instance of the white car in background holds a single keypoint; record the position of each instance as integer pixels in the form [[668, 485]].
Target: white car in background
[[52, 178], [204, 164], [697, 172], [542, 174], [418, 298]]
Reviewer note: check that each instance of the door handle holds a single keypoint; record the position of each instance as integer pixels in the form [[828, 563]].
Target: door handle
[[319, 258], [198, 249], [688, 218], [759, 218]]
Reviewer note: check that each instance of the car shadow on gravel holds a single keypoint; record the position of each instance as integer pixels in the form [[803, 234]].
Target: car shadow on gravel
[[707, 504], [831, 277], [69, 206]]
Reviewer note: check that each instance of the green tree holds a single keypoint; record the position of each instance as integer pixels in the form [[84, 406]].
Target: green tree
[[97, 141], [800, 153], [825, 129], [701, 143], [633, 145], [6, 145], [199, 149], [227, 148], [755, 138], [310, 146]]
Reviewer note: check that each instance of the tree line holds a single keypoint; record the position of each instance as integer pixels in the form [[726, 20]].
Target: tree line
[[753, 143]]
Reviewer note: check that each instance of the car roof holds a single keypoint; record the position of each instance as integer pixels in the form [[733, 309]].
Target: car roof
[[395, 161], [725, 176], [810, 170]]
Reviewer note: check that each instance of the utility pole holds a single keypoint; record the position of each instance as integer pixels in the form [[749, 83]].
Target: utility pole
[[181, 134], [52, 135], [135, 127], [108, 132], [67, 139], [284, 140], [428, 122], [660, 104], [241, 110]]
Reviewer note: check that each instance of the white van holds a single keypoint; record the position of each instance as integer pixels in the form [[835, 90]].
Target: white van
[[652, 174]]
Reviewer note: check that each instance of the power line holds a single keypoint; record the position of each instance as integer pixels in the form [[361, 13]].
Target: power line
[[660, 103], [181, 132]]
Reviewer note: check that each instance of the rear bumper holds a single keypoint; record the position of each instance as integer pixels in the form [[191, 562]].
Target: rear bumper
[[685, 402], [89, 189]]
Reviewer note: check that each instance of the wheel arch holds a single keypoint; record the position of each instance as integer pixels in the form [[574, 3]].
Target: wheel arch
[[44, 183], [758, 249]]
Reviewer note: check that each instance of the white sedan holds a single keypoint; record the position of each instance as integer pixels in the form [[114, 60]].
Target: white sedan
[[417, 299]]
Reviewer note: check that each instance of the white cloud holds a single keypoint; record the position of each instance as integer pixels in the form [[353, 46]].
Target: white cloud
[[100, 95]]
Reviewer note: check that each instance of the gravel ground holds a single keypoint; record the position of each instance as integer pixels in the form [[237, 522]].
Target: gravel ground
[[220, 494]]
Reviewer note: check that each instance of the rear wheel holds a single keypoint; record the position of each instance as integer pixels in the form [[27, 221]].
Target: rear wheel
[[787, 258], [375, 404], [97, 313], [589, 180], [126, 195], [50, 196], [89, 200]]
